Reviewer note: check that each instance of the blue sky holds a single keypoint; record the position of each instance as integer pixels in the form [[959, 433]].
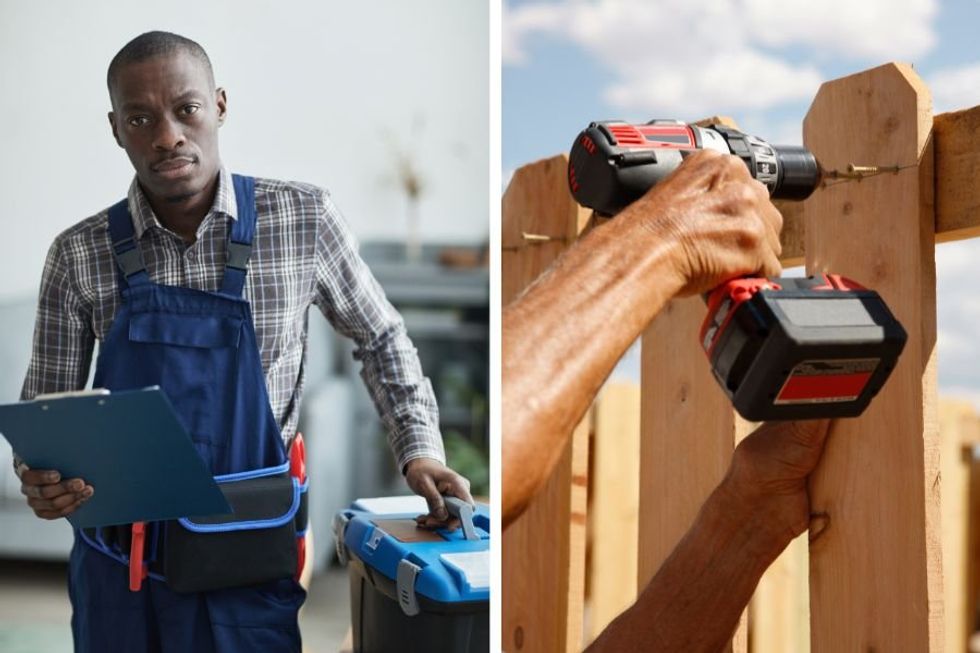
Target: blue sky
[[761, 62]]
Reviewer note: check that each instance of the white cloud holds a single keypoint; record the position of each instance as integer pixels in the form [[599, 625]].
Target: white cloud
[[694, 57], [954, 345], [958, 260], [967, 393], [527, 20], [955, 88], [879, 30], [742, 79]]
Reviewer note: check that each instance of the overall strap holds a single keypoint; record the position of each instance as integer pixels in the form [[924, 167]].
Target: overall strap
[[240, 238], [125, 249]]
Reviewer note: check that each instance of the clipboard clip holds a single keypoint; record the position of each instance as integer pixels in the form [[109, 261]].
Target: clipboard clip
[[94, 392], [137, 568]]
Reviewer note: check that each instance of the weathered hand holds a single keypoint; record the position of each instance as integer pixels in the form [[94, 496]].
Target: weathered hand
[[431, 479], [719, 218], [769, 472], [50, 497]]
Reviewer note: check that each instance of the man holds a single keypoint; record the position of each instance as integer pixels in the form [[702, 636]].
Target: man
[[707, 223], [193, 246]]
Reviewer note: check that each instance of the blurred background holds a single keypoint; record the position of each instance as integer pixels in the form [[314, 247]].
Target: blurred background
[[385, 104]]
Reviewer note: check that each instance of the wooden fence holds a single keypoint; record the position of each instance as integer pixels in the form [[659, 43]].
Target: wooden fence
[[873, 579]]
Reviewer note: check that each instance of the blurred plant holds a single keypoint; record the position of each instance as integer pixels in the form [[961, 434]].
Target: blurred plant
[[408, 178], [467, 459]]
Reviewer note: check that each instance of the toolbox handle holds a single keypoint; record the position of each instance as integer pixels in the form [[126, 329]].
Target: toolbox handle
[[459, 508]]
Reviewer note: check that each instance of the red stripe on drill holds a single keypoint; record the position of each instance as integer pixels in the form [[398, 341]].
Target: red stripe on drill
[[823, 386]]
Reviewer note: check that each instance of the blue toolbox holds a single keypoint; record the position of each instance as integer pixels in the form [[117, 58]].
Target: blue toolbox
[[414, 590]]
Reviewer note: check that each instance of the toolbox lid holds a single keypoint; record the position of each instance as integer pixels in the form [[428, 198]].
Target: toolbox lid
[[446, 566], [391, 505]]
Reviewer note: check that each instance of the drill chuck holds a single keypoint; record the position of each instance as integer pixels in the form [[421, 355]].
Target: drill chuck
[[800, 172]]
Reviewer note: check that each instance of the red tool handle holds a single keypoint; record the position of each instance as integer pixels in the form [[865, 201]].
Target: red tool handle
[[297, 458], [297, 469], [137, 569]]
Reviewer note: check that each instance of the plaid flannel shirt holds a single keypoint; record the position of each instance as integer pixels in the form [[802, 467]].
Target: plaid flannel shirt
[[303, 254]]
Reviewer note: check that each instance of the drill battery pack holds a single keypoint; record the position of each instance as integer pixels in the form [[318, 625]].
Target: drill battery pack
[[800, 348]]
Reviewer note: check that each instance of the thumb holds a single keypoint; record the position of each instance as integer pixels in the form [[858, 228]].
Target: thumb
[[437, 506]]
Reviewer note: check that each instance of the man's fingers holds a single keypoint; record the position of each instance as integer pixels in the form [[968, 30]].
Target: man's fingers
[[437, 507], [771, 267], [811, 432], [59, 513], [39, 476], [430, 523], [49, 491], [456, 486], [60, 500]]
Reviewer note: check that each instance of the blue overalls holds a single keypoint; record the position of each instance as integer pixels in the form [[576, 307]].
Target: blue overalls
[[201, 348]]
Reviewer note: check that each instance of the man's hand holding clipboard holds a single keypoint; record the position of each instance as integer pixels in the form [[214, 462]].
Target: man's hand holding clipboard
[[129, 444]]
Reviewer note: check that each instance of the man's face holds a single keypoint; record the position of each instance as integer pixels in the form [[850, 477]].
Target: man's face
[[166, 115]]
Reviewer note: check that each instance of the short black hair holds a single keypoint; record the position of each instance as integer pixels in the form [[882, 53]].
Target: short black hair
[[155, 44]]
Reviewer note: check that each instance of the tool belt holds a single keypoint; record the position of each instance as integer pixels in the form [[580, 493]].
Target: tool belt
[[256, 543]]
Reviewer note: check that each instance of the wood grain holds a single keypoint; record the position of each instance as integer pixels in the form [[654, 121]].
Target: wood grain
[[688, 435], [973, 542], [876, 571], [957, 141], [779, 614], [614, 504], [958, 432], [543, 572]]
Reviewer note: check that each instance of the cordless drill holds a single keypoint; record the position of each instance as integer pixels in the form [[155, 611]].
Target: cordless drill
[[781, 348]]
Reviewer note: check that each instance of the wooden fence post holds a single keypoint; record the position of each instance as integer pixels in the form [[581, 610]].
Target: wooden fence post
[[876, 570], [614, 497], [689, 430], [688, 435], [543, 566], [959, 431], [973, 546], [779, 614]]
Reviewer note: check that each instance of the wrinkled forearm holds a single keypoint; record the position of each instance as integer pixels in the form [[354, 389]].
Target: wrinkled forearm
[[563, 337], [694, 601]]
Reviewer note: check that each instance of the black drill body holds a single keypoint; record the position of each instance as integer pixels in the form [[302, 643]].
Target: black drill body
[[780, 348], [613, 163]]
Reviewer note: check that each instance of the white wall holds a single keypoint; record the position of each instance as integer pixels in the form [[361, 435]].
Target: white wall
[[313, 89]]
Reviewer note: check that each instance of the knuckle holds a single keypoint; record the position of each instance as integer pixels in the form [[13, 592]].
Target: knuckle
[[777, 219], [747, 195], [63, 500], [752, 234], [736, 166], [51, 491]]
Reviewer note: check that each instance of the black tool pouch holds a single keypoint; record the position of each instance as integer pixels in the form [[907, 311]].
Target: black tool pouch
[[255, 544]]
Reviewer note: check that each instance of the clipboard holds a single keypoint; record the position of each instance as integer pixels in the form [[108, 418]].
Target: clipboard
[[129, 446]]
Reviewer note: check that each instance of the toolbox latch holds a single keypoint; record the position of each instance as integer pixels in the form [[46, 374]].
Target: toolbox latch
[[405, 586], [464, 511]]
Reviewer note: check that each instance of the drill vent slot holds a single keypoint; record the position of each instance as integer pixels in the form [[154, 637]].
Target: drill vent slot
[[626, 135]]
